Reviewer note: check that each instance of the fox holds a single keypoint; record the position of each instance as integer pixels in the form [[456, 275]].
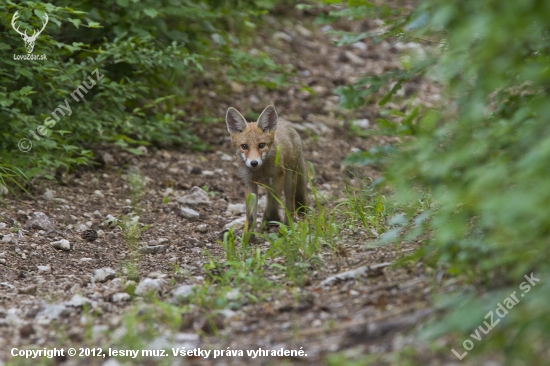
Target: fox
[[272, 155]]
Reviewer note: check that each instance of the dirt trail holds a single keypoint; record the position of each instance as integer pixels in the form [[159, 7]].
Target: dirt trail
[[365, 314]]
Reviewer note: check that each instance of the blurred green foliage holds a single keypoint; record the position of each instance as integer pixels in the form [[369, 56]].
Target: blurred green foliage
[[483, 155], [150, 54]]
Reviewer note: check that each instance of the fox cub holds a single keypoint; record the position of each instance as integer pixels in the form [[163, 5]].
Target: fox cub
[[258, 144]]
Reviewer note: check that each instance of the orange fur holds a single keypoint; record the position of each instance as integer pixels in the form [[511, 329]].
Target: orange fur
[[288, 176]]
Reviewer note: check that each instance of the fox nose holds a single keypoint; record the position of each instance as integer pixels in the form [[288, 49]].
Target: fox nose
[[254, 163]]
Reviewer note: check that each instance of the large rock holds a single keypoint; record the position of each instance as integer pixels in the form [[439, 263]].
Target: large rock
[[52, 312], [236, 224], [44, 269], [40, 221], [120, 297], [189, 213], [235, 209], [196, 196], [77, 301], [148, 285], [62, 244], [8, 238], [103, 274]]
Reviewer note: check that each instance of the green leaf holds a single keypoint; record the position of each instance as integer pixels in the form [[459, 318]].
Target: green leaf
[[134, 151], [392, 92], [26, 90], [94, 25], [26, 73], [151, 12], [75, 21]]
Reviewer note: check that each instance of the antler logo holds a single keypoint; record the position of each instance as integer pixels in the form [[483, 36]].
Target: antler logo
[[29, 40]]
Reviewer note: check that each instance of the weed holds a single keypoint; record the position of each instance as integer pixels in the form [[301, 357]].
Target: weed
[[11, 176], [130, 225]]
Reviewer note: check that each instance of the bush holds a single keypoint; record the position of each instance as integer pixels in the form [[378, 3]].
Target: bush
[[147, 53], [484, 158]]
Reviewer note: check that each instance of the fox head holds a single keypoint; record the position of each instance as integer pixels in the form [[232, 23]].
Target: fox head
[[252, 140]]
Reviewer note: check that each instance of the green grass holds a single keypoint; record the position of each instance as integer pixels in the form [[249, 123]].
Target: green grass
[[130, 224]]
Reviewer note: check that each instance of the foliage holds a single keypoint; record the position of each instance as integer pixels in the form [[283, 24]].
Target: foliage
[[483, 156], [146, 56]]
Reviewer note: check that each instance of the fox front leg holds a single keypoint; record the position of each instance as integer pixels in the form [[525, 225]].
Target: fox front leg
[[273, 198], [251, 210], [251, 200]]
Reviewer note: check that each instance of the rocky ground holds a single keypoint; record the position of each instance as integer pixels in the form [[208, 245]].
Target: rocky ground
[[58, 289]]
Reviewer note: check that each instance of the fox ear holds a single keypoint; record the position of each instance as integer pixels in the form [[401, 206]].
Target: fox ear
[[268, 119], [235, 121]]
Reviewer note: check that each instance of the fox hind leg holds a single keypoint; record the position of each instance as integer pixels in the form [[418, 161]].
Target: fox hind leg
[[290, 193]]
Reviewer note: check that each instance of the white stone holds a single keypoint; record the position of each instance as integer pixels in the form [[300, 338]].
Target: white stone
[[8, 238], [235, 209], [78, 301], [236, 224], [148, 285], [181, 293], [103, 274], [44, 269], [111, 362], [262, 202], [361, 123], [196, 196], [189, 213], [226, 157], [62, 244], [202, 228], [52, 312], [233, 295], [359, 45], [48, 195], [303, 31], [40, 221], [120, 297], [283, 36], [143, 149], [353, 58]]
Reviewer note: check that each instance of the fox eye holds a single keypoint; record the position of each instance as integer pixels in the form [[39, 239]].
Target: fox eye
[[244, 146], [261, 146]]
